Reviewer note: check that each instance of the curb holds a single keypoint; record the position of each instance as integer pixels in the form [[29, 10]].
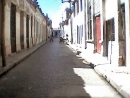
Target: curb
[[122, 90], [13, 64]]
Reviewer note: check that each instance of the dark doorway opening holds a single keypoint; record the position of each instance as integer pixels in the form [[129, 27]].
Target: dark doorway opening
[[13, 27], [22, 29], [32, 29], [27, 30]]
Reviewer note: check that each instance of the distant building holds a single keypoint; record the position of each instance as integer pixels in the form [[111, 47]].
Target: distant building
[[56, 32]]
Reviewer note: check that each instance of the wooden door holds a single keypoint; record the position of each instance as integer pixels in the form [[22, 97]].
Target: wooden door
[[122, 36], [98, 35]]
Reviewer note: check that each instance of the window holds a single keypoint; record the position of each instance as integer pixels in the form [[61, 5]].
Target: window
[[77, 6], [90, 37], [81, 6]]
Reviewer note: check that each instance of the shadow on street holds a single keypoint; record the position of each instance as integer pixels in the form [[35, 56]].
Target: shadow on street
[[51, 72]]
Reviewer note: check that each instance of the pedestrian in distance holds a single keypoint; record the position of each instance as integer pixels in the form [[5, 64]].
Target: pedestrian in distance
[[67, 39], [51, 38]]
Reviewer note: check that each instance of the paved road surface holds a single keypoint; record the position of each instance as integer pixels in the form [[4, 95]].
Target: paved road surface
[[54, 71]]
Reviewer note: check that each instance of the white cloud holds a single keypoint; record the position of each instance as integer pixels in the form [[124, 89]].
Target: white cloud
[[57, 17]]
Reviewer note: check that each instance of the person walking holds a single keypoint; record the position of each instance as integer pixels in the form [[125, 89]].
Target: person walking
[[51, 37], [67, 39]]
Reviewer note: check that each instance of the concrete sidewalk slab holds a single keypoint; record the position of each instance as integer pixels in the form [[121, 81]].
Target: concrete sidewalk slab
[[14, 59], [119, 80], [118, 77]]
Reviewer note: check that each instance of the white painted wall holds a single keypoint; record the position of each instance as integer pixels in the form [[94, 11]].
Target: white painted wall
[[127, 16], [110, 8]]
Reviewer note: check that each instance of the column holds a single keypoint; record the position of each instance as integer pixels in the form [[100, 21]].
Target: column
[[115, 44], [30, 42], [33, 29], [127, 8], [7, 9], [17, 29], [103, 27]]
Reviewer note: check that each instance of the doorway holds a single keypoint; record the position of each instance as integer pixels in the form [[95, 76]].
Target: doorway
[[32, 29], [122, 37], [110, 37], [27, 30], [13, 28], [98, 34], [22, 29]]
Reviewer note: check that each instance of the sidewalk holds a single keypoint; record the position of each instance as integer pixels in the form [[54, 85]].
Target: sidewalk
[[14, 59], [118, 77]]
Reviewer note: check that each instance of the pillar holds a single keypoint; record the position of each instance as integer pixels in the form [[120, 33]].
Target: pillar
[[18, 47], [127, 8], [7, 9], [103, 26]]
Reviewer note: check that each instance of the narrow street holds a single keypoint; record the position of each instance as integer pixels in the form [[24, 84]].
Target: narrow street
[[54, 71]]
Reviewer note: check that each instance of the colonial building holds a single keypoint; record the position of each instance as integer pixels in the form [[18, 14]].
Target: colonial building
[[102, 27], [23, 24]]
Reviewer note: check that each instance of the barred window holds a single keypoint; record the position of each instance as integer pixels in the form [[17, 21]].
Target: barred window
[[89, 25]]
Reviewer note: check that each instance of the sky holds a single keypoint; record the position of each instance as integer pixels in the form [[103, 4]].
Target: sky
[[54, 9], [49, 6]]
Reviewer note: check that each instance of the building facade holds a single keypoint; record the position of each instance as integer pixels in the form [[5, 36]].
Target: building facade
[[102, 27], [24, 25]]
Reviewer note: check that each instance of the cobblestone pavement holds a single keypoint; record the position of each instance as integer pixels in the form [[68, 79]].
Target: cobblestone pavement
[[54, 71]]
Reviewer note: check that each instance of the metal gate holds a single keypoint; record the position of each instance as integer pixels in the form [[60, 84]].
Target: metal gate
[[13, 28], [98, 35]]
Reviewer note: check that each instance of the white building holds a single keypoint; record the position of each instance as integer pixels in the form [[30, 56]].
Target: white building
[[102, 27]]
